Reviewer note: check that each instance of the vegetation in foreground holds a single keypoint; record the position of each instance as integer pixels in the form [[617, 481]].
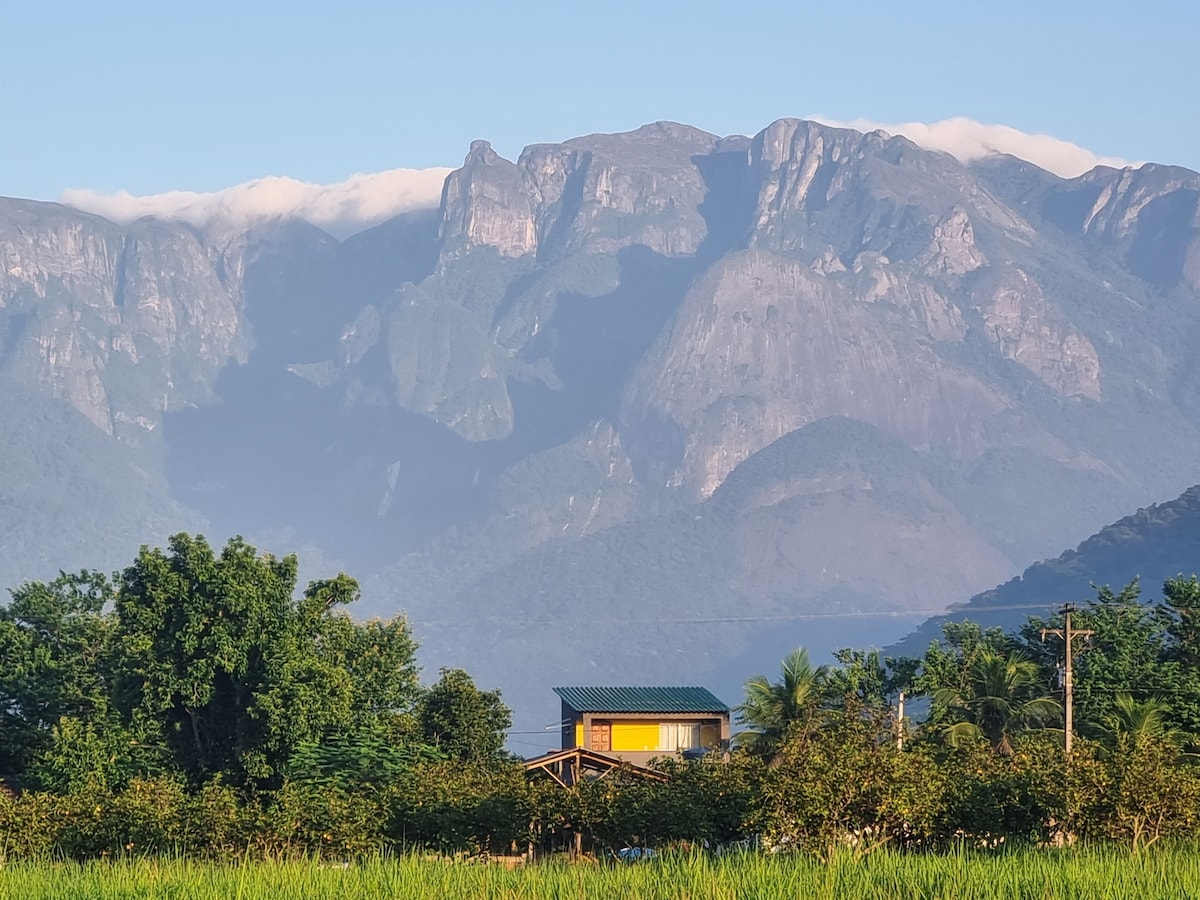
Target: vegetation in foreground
[[196, 705], [1009, 876]]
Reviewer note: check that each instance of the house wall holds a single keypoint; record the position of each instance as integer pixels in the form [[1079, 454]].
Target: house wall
[[572, 727], [635, 737]]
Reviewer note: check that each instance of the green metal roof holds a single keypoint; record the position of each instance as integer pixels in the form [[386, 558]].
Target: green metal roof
[[640, 699]]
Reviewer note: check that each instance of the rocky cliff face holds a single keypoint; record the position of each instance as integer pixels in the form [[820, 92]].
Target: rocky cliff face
[[825, 274], [1026, 328], [1150, 216], [123, 323], [800, 347], [597, 194], [485, 204], [838, 220]]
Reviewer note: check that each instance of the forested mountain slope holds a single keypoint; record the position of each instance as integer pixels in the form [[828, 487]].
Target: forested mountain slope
[[1154, 544]]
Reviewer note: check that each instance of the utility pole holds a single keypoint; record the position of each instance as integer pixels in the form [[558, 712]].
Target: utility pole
[[900, 723], [1067, 633]]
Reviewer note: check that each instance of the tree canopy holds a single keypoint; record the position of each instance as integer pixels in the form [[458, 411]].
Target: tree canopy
[[202, 663], [462, 721]]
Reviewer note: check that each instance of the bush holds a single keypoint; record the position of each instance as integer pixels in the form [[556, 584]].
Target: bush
[[28, 825], [456, 807], [325, 822]]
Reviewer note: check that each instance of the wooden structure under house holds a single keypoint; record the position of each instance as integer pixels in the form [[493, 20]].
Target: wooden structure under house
[[569, 767]]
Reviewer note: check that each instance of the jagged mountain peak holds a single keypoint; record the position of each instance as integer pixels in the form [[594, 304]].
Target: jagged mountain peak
[[481, 153], [666, 135]]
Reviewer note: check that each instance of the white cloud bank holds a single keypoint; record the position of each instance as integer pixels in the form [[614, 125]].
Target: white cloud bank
[[341, 209], [365, 200], [967, 140]]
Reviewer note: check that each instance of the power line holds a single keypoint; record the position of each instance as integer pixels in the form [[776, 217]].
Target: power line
[[931, 611], [531, 743], [722, 620]]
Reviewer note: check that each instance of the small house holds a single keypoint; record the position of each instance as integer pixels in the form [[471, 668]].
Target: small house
[[636, 724]]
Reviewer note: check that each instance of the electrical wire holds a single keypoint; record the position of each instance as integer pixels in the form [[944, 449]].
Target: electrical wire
[[724, 620], [933, 611]]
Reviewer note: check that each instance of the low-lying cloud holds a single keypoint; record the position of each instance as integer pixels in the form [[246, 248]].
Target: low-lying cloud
[[341, 209], [364, 200], [967, 140]]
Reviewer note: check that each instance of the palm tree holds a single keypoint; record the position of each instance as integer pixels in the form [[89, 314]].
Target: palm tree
[[771, 709], [1000, 696], [1140, 719]]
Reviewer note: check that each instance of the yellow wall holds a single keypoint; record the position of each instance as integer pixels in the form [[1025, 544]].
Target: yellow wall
[[643, 735], [634, 736]]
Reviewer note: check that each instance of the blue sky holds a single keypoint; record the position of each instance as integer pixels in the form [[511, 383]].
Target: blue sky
[[149, 97]]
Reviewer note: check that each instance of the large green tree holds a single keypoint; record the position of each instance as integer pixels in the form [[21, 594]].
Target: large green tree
[[217, 661], [1181, 597], [1140, 661], [462, 721], [867, 679]]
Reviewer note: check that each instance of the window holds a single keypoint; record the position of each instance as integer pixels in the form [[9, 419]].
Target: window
[[674, 736]]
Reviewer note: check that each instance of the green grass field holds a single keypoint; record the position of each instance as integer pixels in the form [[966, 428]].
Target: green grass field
[[1032, 874]]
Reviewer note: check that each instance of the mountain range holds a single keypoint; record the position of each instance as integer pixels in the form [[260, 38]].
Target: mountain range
[[641, 406]]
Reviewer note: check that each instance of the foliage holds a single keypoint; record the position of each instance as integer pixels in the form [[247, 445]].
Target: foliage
[[371, 756], [707, 802], [54, 640], [772, 709], [1150, 794], [848, 786], [1127, 653], [867, 678], [1135, 719], [216, 661], [947, 663], [1181, 599], [211, 712], [711, 801], [453, 806], [85, 756], [325, 823], [462, 721], [996, 799], [998, 697]]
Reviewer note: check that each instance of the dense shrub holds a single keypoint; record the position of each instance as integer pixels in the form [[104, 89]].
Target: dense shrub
[[454, 806]]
